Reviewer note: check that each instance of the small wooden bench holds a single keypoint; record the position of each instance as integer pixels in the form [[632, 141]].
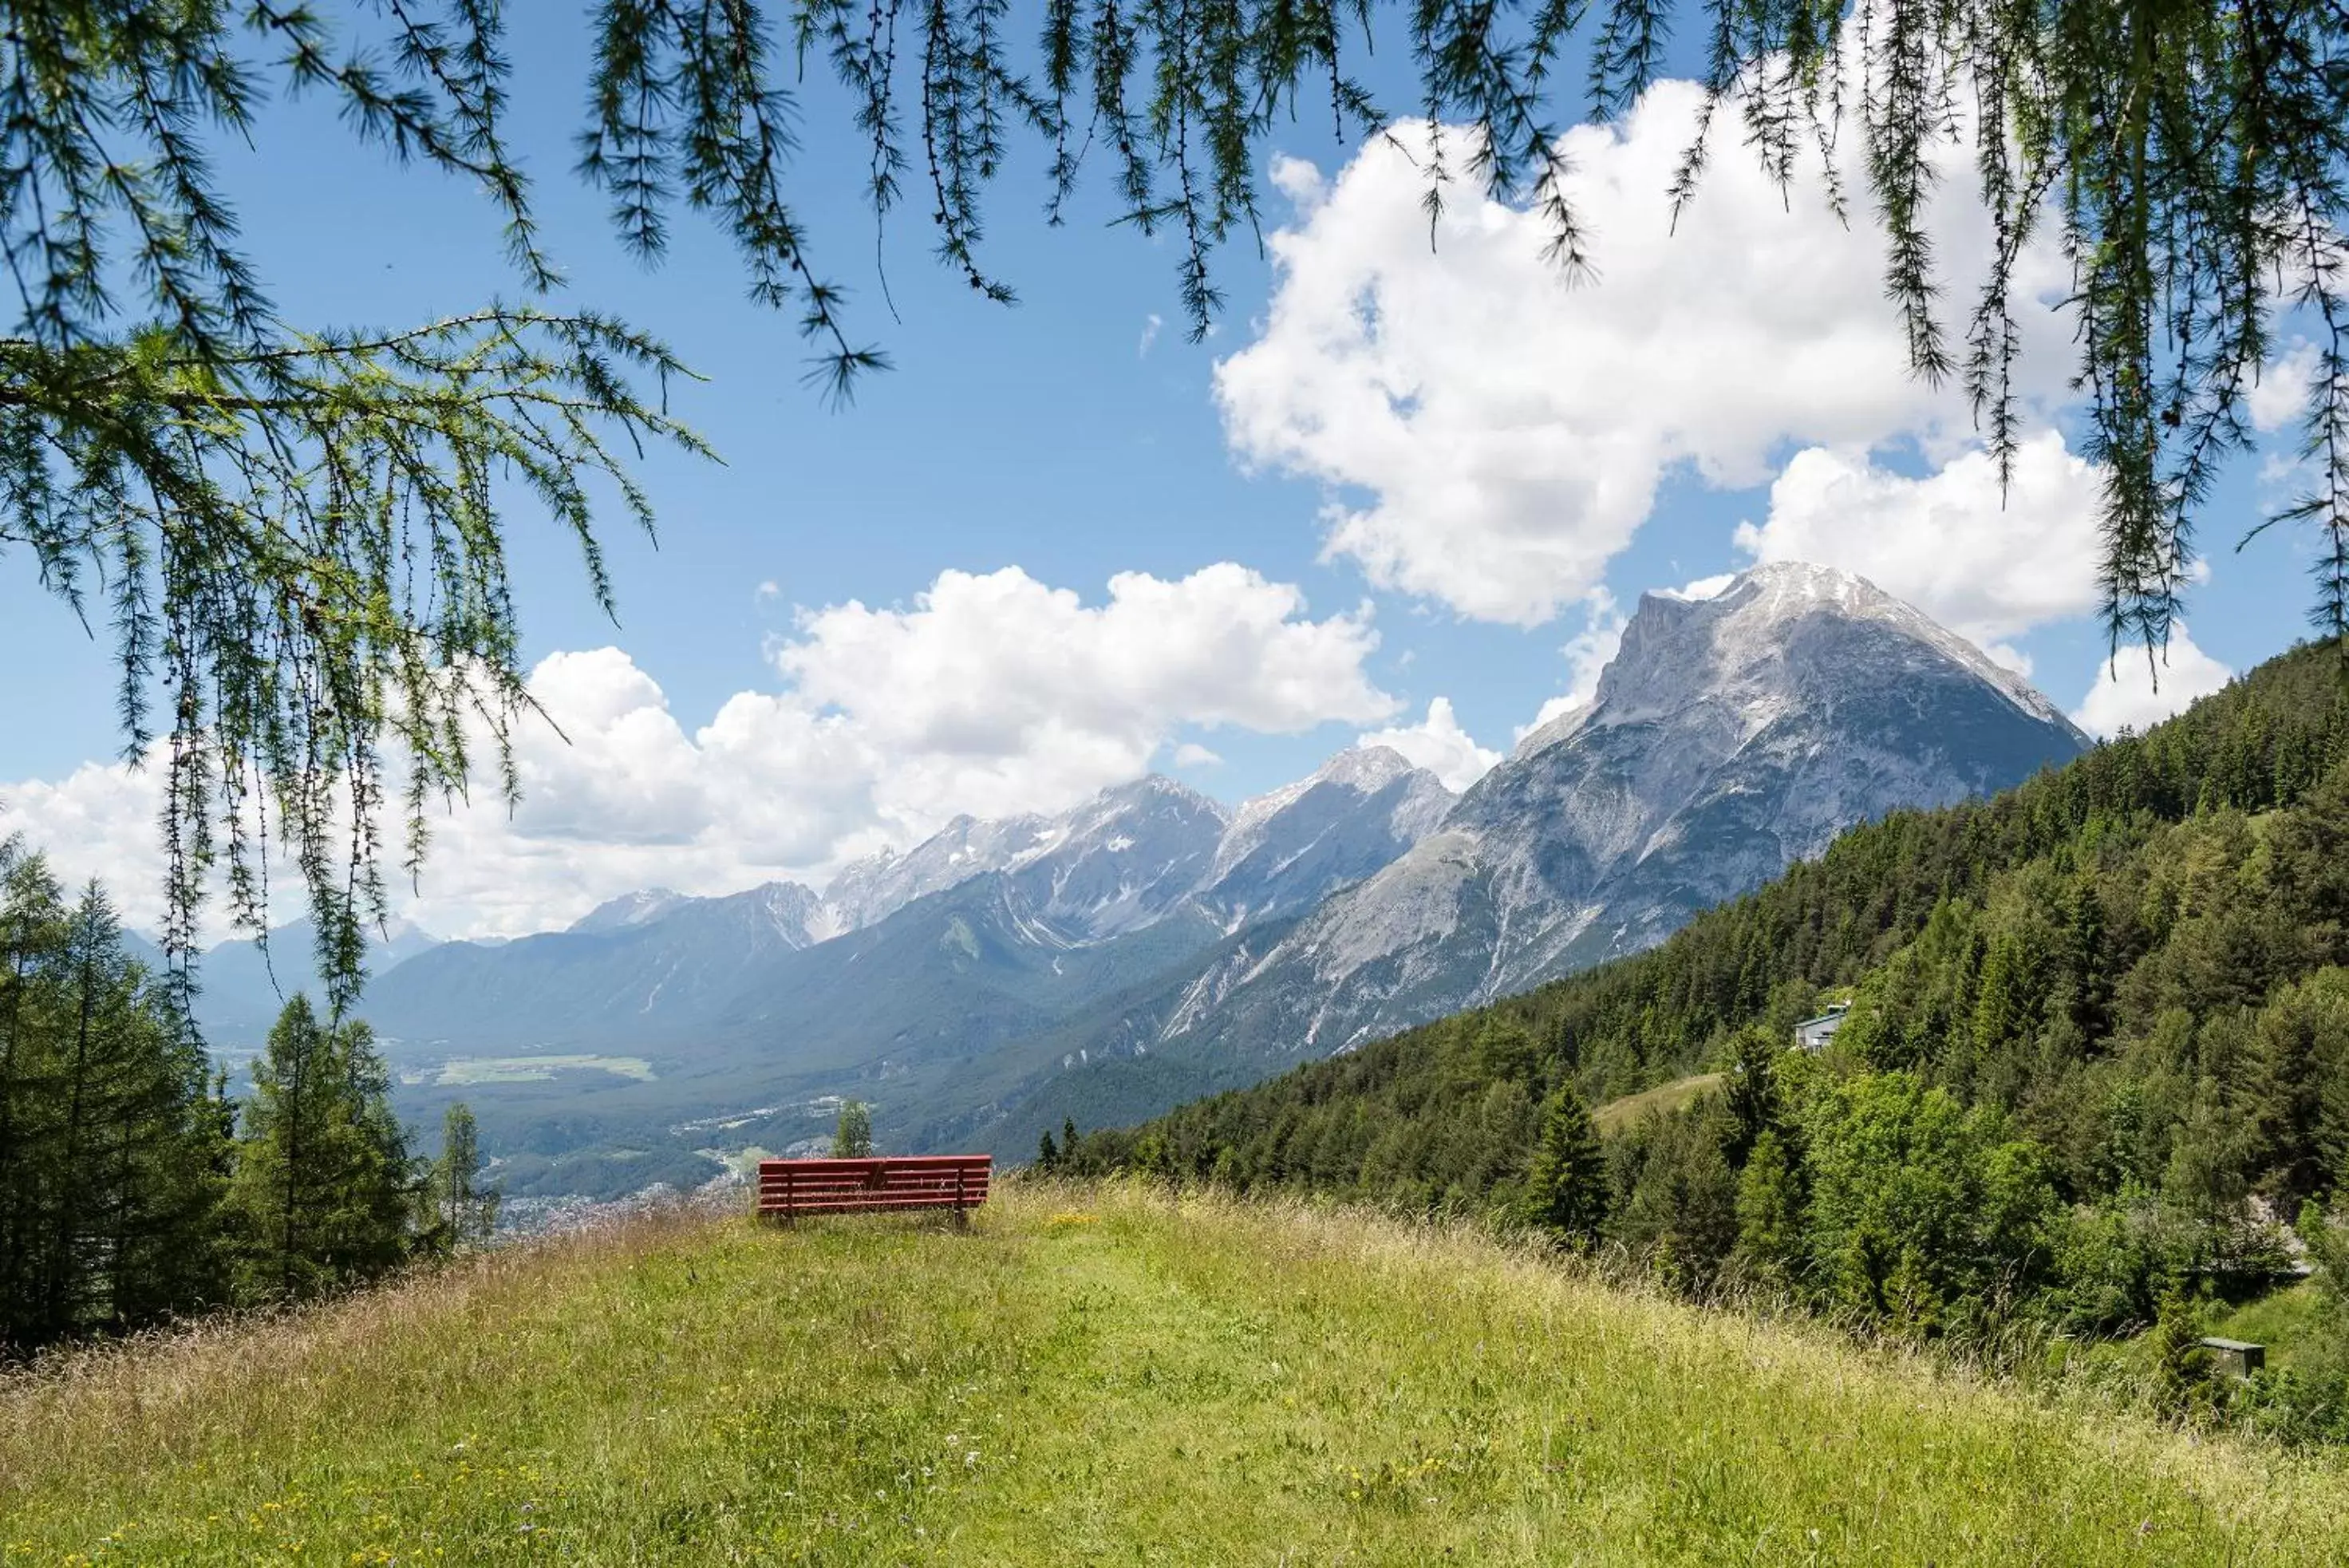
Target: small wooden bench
[[790, 1188]]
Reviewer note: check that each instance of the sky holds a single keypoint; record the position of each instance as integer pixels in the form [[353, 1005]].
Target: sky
[[1407, 489]]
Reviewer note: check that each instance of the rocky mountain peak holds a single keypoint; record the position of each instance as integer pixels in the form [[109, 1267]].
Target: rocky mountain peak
[[1782, 632], [1742, 725], [633, 908]]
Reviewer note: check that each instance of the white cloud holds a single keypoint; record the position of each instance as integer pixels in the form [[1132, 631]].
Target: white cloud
[[1439, 744], [98, 820], [2126, 694], [767, 591], [1150, 325], [1492, 436], [1191, 754], [1987, 565], [988, 693], [2280, 397], [1702, 589], [1588, 651]]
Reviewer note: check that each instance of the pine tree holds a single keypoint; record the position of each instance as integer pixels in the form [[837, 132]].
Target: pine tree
[[322, 1188], [1565, 1189], [109, 1165], [853, 1137], [1770, 1212], [1753, 1099], [32, 941], [2181, 1367], [464, 1214]]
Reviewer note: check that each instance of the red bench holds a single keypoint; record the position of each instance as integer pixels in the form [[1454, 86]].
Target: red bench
[[790, 1188]]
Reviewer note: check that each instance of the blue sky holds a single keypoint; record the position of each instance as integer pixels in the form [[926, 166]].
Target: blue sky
[[1078, 437]]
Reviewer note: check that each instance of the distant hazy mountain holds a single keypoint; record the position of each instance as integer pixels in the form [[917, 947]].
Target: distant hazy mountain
[[243, 987], [950, 1006], [649, 963], [654, 964], [877, 887]]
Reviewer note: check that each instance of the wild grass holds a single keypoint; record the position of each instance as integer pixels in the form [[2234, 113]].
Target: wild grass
[[1089, 1376], [1616, 1114]]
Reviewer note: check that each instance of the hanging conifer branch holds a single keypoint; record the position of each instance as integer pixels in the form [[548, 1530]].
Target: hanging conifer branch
[[297, 536]]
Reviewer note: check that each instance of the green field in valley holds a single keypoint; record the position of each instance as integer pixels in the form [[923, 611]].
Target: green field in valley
[[466, 1071], [1090, 1376]]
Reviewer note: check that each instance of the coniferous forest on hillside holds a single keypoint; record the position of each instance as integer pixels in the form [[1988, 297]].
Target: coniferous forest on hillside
[[134, 1190], [2093, 1080]]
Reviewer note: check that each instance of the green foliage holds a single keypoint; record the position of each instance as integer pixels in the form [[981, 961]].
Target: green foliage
[[321, 1198], [112, 1149], [2099, 1037], [133, 1191], [852, 1138], [1919, 1210], [2308, 1398], [1754, 1104], [462, 1214], [1674, 1194], [1565, 1188], [2181, 1367], [1770, 1246]]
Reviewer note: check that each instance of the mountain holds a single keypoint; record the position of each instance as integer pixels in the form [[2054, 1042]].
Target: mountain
[[1041, 934], [1149, 945], [1729, 737], [645, 963], [634, 908], [1122, 860], [1283, 852], [874, 889], [243, 986], [2096, 1036]]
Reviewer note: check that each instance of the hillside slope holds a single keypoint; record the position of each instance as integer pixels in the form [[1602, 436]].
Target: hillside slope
[[1207, 1383], [2095, 1072], [2277, 741]]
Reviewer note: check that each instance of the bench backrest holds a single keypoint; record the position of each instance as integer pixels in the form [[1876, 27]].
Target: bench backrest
[[847, 1186]]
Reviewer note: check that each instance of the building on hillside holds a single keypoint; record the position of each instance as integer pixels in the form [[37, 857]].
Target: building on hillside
[[1813, 1033]]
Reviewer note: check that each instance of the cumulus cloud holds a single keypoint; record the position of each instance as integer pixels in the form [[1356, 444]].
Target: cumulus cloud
[[1439, 744], [1987, 564], [991, 693], [2280, 397], [98, 821], [1588, 651], [2133, 692], [1492, 435]]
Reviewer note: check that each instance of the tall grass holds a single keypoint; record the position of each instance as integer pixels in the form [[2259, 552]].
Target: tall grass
[[1088, 1377]]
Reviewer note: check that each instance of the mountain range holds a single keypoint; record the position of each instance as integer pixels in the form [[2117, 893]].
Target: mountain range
[[1151, 944]]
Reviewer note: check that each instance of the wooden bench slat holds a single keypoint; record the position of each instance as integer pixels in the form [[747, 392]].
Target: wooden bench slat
[[777, 1184]]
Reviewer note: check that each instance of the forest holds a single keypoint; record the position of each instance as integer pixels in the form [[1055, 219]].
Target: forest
[[2093, 1080], [135, 1191]]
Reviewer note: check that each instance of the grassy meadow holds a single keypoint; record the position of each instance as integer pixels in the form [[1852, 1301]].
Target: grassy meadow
[[1088, 1377]]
